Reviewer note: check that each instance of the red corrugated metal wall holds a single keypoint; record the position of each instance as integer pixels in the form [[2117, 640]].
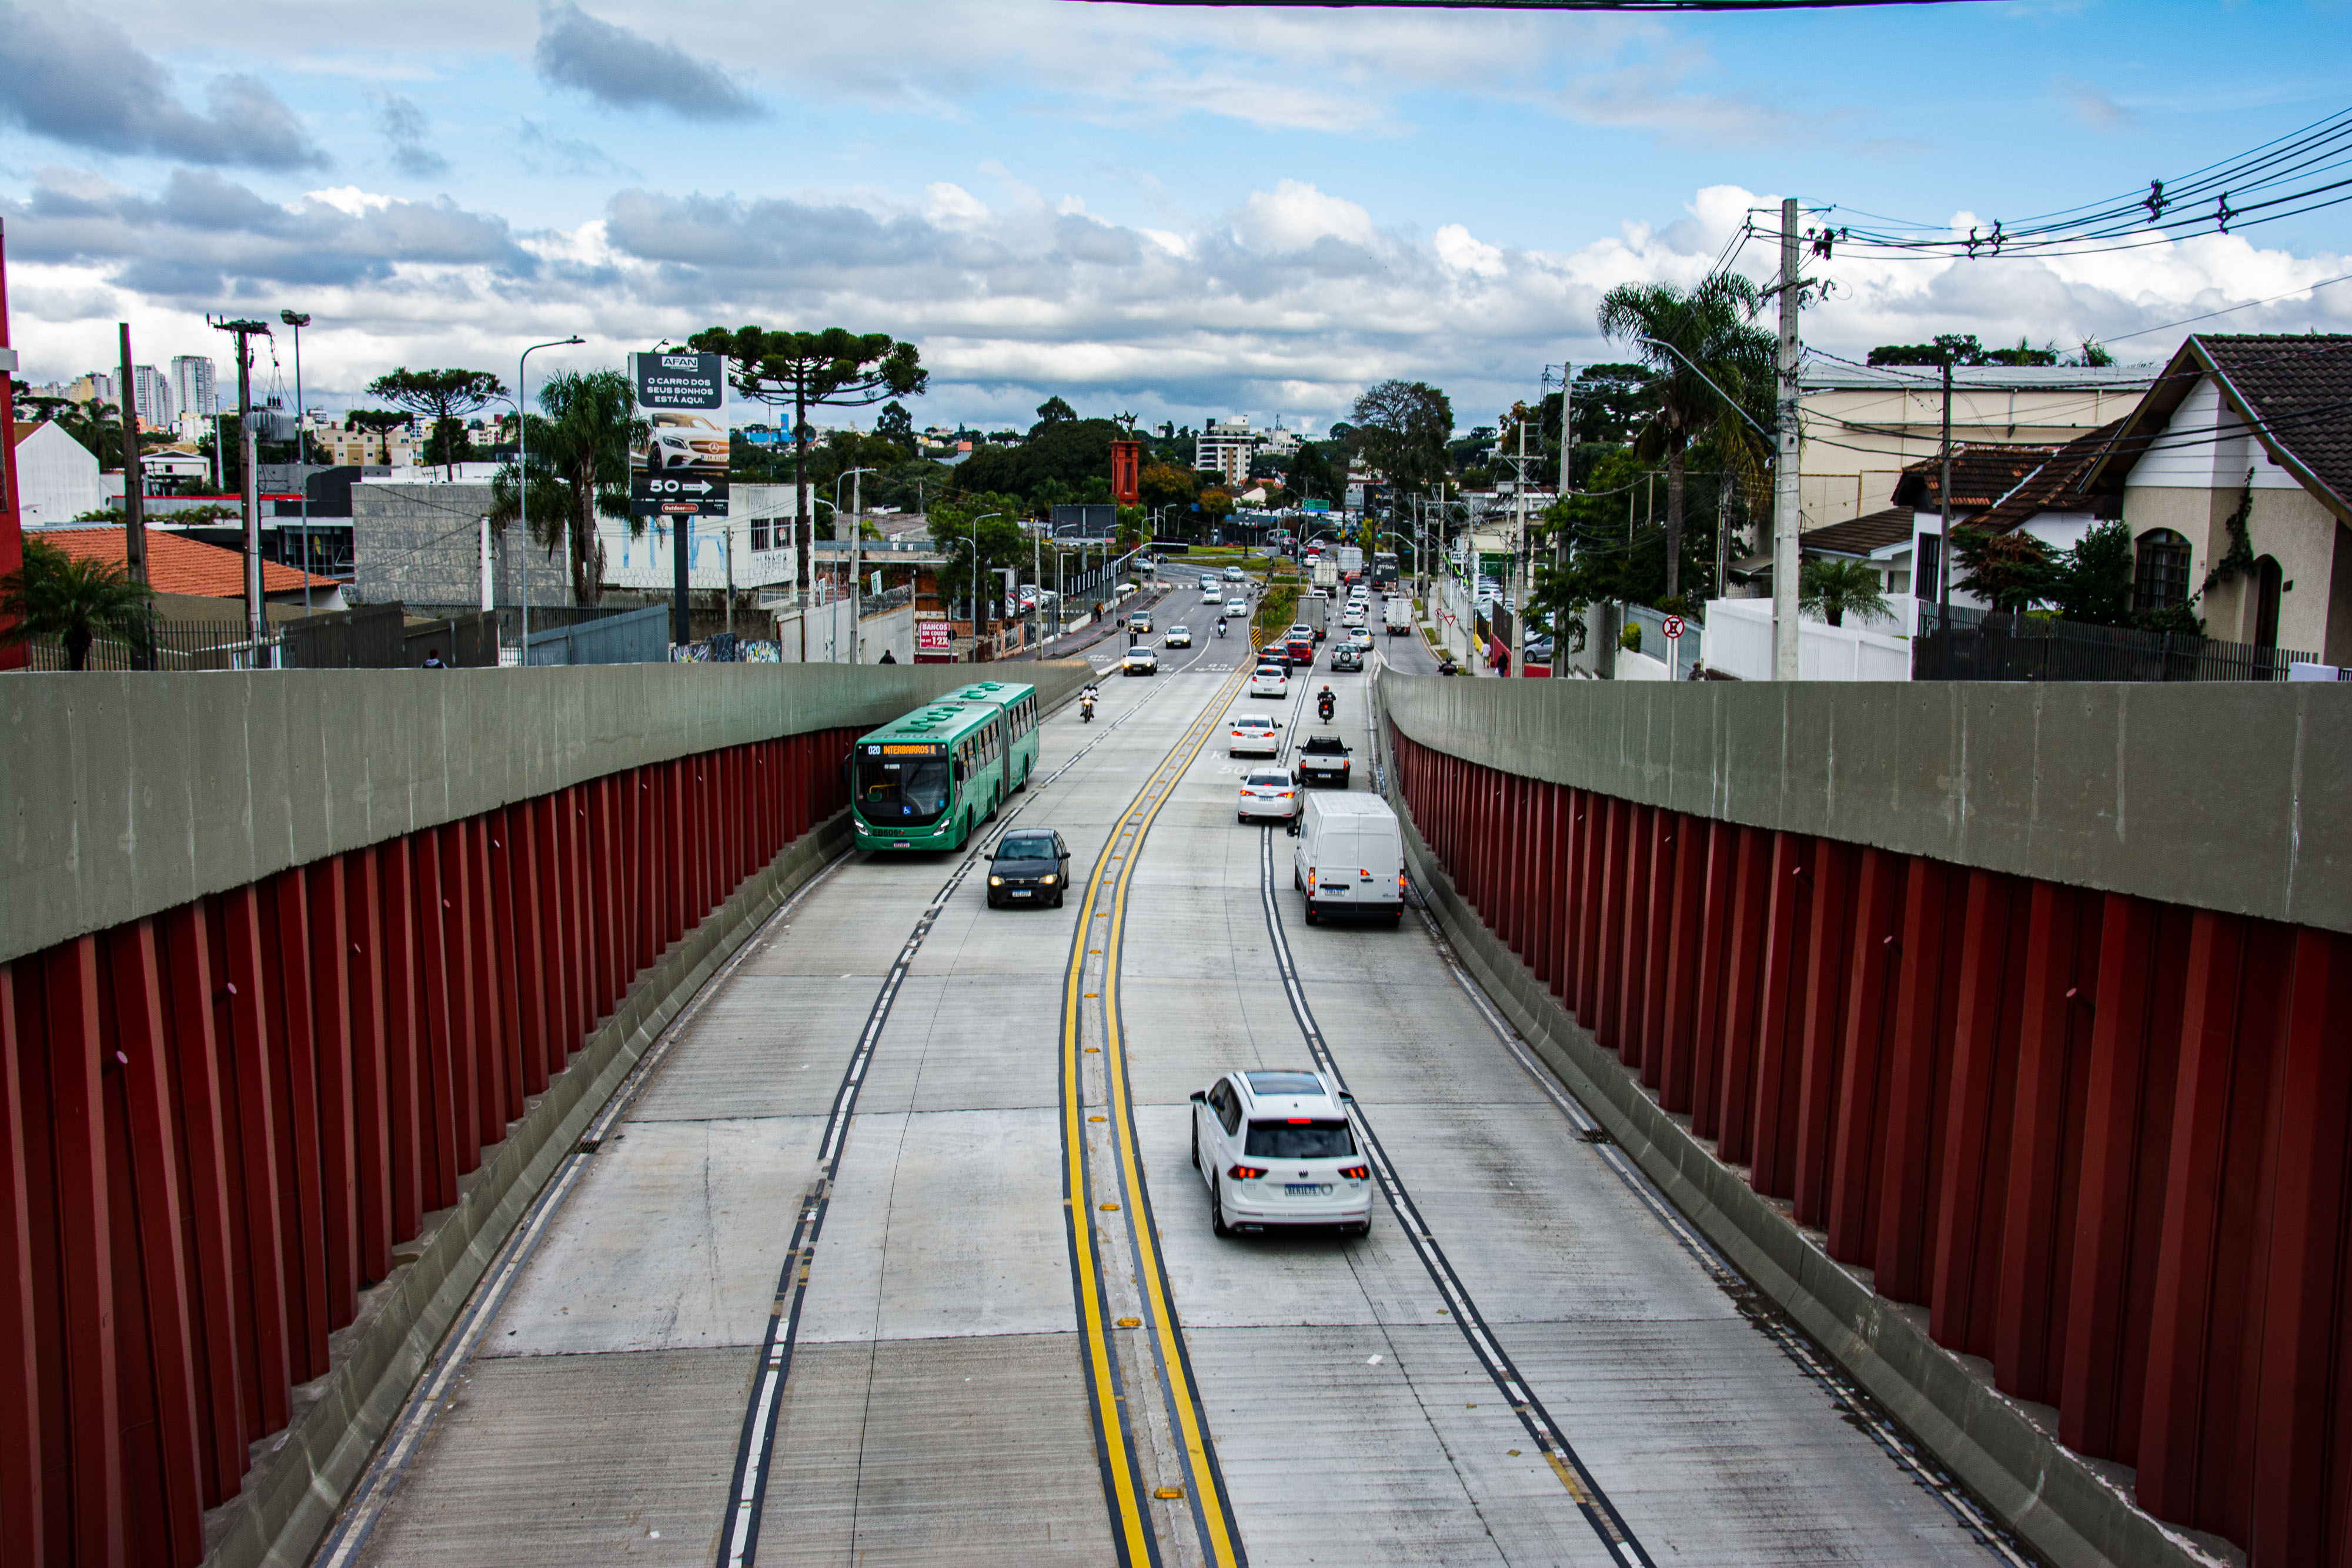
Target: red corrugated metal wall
[[2103, 1140], [215, 1123]]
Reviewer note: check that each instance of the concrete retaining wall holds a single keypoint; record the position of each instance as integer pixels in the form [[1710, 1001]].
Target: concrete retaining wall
[[2234, 797], [124, 795]]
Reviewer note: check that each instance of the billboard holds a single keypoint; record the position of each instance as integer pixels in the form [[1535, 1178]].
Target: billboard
[[678, 466], [679, 381], [934, 642]]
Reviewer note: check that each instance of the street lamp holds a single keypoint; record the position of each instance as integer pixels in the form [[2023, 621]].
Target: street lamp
[[975, 581], [298, 320], [857, 524], [522, 471]]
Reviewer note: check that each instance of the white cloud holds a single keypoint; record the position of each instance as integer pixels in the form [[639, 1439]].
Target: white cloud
[[351, 199], [1293, 216], [1463, 254], [951, 203]]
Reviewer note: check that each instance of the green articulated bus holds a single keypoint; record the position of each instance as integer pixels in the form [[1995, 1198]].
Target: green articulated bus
[[927, 778]]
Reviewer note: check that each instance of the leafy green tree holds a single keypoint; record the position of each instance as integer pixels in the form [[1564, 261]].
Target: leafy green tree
[[2010, 572], [897, 426], [1052, 411], [1833, 590], [1073, 454], [2092, 580], [1309, 475], [382, 421], [53, 594], [579, 451], [1690, 339], [1401, 429], [445, 398], [812, 370], [1002, 541]]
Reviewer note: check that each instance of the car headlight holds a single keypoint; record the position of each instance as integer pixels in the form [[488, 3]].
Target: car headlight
[[996, 882], [1046, 880]]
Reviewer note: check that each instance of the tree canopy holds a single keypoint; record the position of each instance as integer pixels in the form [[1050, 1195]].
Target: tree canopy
[[808, 369], [445, 397], [1401, 429], [579, 469]]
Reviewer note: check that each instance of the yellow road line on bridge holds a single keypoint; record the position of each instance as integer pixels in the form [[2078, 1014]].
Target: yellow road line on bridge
[[1131, 1524]]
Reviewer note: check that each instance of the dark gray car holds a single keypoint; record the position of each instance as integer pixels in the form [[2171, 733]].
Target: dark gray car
[[1029, 865]]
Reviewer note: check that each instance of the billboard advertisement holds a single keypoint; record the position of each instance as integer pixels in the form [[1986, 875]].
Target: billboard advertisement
[[934, 642], [678, 467]]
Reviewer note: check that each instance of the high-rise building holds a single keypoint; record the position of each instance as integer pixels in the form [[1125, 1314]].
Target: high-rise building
[[92, 386], [155, 393], [192, 386]]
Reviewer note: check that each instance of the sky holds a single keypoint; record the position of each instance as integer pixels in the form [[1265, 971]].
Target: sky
[[1177, 212]]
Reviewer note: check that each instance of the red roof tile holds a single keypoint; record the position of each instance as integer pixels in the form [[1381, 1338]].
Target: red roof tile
[[176, 564]]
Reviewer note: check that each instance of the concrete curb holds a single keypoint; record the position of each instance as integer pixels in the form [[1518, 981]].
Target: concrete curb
[[292, 1496], [2053, 1498]]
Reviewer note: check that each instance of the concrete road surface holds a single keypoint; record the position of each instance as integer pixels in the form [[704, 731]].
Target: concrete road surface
[[1016, 1340]]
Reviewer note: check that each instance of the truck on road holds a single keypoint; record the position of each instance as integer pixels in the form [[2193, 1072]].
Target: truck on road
[[1326, 572], [1396, 613]]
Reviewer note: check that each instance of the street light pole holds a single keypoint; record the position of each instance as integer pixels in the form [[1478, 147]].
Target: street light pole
[[298, 320], [975, 581], [856, 526], [522, 471]]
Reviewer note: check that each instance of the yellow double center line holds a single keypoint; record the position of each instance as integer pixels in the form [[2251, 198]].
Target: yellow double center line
[[1122, 1473]]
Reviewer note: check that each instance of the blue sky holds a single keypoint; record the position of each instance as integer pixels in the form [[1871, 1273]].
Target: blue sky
[[1177, 211]]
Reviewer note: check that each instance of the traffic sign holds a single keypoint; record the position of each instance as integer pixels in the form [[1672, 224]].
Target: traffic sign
[[679, 381], [1674, 628], [680, 493]]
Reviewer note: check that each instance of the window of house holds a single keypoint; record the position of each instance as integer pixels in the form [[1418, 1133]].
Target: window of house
[[2160, 575], [1930, 547]]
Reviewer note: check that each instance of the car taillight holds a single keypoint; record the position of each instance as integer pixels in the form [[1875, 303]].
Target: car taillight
[[1356, 1173], [1310, 879], [1246, 1173]]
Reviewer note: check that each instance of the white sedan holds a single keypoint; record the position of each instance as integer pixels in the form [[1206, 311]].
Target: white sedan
[[1256, 733], [1139, 660], [1277, 1148], [1178, 637], [1269, 681], [1268, 793], [1237, 609]]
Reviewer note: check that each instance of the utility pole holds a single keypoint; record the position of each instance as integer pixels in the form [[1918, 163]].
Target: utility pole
[[1944, 543], [298, 320], [856, 533], [248, 484], [134, 512], [1520, 560], [13, 656], [1785, 496]]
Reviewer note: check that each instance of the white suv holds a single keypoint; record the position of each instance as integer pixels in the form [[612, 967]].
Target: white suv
[[1277, 1148]]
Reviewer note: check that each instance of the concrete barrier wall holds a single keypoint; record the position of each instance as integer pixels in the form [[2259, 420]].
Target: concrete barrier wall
[[2234, 797], [1999, 1137], [125, 795]]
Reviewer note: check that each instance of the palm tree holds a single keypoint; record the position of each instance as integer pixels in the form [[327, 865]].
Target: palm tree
[[76, 602], [1833, 589], [580, 467], [1690, 338]]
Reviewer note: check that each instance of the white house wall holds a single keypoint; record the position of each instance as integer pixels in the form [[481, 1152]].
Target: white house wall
[[2206, 446], [57, 478]]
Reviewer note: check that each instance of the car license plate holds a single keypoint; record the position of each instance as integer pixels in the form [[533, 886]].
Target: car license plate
[[1306, 1188], [1020, 892]]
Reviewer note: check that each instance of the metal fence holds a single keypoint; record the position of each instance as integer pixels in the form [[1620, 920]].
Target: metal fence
[[1994, 645], [178, 645]]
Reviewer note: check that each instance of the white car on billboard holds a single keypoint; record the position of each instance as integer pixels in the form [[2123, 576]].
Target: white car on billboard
[[679, 440]]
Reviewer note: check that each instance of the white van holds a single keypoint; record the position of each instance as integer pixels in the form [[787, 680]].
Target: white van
[[1349, 858]]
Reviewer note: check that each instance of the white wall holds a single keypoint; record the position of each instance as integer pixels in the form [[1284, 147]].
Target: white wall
[[2206, 446], [1740, 642], [828, 634], [57, 478]]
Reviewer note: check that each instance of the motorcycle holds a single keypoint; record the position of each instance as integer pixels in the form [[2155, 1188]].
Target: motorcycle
[[1086, 710], [1324, 705], [1221, 625]]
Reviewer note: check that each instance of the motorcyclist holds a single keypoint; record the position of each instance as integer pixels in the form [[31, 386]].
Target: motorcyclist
[[1325, 701], [1086, 703], [1221, 625]]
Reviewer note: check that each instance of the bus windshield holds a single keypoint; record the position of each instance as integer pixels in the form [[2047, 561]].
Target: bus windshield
[[911, 790]]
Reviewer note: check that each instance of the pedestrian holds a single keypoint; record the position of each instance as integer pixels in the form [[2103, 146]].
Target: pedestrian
[[888, 657], [433, 660]]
